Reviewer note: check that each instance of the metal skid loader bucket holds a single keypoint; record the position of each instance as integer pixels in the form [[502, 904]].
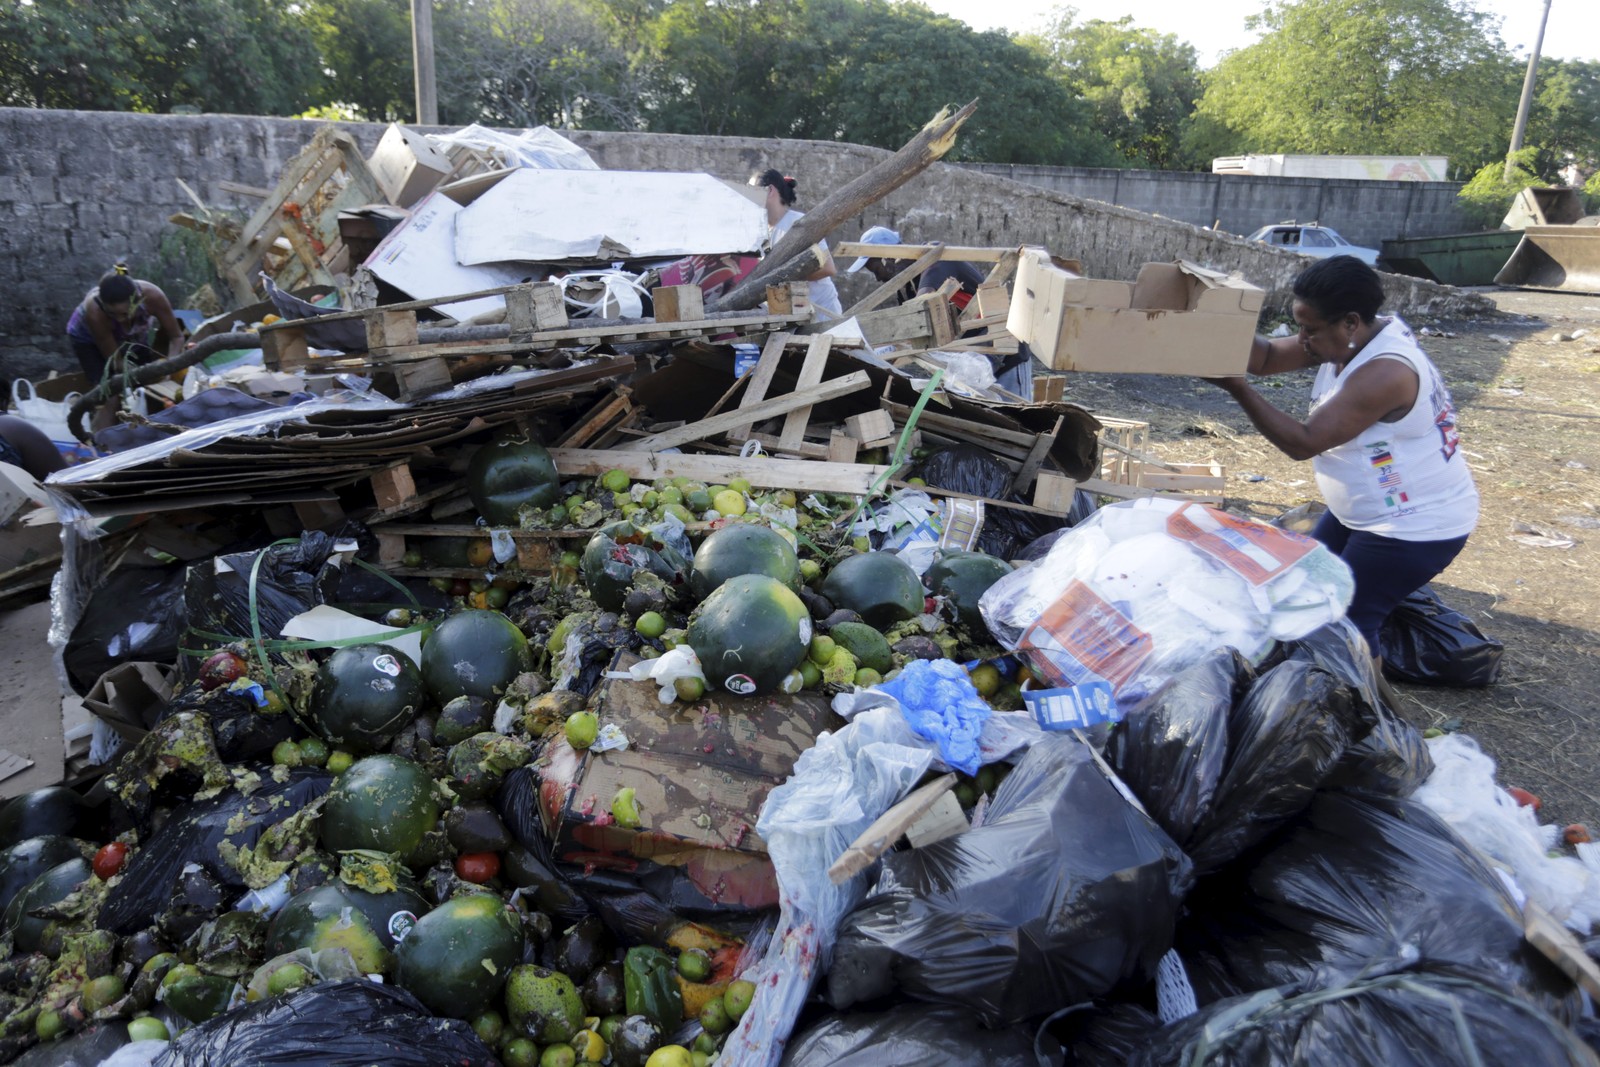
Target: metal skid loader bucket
[[1556, 257]]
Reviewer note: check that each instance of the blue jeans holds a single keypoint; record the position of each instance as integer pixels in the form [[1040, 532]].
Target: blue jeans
[[1387, 570]]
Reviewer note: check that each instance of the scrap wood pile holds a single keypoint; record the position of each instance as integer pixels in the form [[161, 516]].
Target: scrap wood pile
[[664, 700]]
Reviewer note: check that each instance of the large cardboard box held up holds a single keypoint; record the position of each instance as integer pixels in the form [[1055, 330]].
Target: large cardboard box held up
[[1177, 318], [407, 165]]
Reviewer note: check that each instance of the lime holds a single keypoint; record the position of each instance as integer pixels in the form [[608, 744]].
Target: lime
[[694, 964], [729, 502], [810, 674], [737, 997], [625, 807], [689, 689], [582, 728], [698, 500], [650, 624], [986, 679], [671, 495], [148, 1028], [822, 649], [99, 992], [49, 1025], [488, 1025], [739, 485], [714, 1017], [810, 570], [558, 1055], [286, 753], [866, 678], [670, 1056], [289, 977], [679, 512], [313, 751], [339, 761], [616, 480], [520, 1052]]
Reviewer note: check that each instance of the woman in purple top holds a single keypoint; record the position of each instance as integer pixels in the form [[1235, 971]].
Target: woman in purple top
[[115, 321]]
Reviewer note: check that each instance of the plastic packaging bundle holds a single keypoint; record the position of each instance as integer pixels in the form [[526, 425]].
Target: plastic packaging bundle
[[1142, 589], [1360, 884], [941, 705], [1462, 791], [539, 147], [1427, 642], [1065, 892]]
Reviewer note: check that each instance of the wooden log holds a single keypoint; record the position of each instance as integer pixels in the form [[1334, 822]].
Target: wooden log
[[921, 152], [782, 405]]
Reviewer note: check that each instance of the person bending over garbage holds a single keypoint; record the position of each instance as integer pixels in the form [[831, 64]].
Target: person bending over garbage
[[115, 321], [1381, 436]]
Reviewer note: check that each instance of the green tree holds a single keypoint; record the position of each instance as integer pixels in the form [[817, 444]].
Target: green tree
[[1487, 196], [1142, 85], [251, 57], [1396, 77], [1565, 122], [365, 47], [536, 62]]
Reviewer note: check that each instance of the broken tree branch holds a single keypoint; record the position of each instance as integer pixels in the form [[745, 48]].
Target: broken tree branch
[[919, 153]]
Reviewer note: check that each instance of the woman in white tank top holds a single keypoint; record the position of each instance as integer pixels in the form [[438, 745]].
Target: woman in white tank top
[[1381, 436]]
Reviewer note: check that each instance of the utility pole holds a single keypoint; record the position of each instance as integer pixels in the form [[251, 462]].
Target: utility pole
[[422, 58], [1527, 93]]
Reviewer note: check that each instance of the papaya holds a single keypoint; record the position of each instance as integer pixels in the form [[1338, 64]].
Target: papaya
[[456, 959], [879, 586], [743, 549], [750, 633], [473, 653], [365, 695], [509, 473], [381, 802]]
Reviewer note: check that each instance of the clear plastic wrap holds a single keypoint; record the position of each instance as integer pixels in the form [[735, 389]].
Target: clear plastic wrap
[[1140, 590], [539, 147]]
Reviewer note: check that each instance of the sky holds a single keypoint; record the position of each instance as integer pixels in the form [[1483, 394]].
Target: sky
[[1215, 26]]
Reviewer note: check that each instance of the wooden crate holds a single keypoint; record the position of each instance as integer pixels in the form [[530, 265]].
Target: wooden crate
[[1123, 443]]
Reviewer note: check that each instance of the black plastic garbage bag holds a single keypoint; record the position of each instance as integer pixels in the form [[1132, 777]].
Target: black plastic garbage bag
[[1171, 750], [1427, 642], [1399, 1020], [87, 1048], [532, 868], [290, 579], [1392, 758], [242, 730], [352, 1023], [1360, 881], [1284, 739], [914, 1035], [1065, 892], [205, 832], [970, 469], [135, 615], [1103, 1035]]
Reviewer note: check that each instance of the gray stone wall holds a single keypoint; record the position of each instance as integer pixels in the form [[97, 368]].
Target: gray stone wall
[[1364, 212], [80, 189]]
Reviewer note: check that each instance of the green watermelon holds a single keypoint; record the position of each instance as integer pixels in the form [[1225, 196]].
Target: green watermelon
[[55, 809], [473, 653], [746, 548], [879, 586], [28, 859], [506, 474], [51, 887], [456, 959], [750, 633], [381, 802], [365, 695], [336, 915], [962, 578]]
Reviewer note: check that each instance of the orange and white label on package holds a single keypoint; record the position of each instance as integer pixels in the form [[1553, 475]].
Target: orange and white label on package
[[1254, 551], [1081, 639]]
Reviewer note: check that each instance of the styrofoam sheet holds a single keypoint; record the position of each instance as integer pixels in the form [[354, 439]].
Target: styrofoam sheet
[[418, 258], [545, 216]]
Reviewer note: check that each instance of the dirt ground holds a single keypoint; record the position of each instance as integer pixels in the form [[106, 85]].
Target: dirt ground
[[1527, 388]]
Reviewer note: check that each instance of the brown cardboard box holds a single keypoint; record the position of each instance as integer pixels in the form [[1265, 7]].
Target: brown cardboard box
[[700, 773], [407, 165], [1177, 318], [130, 696]]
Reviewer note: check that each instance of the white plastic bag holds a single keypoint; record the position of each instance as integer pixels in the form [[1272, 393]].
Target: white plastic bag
[[1141, 590], [539, 147], [604, 294], [50, 416]]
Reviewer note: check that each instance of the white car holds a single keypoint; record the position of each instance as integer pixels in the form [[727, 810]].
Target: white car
[[1317, 241]]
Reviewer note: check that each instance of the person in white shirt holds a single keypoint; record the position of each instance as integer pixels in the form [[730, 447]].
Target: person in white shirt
[[1381, 436], [781, 215]]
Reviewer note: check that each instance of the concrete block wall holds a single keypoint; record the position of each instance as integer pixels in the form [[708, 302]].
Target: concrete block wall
[[1364, 212], [84, 188]]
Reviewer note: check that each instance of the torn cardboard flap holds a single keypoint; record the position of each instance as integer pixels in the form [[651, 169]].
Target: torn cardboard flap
[[130, 697], [418, 258]]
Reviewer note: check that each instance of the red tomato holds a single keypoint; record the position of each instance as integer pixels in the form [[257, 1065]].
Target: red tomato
[[477, 867], [109, 860], [1524, 798], [220, 669], [1576, 834]]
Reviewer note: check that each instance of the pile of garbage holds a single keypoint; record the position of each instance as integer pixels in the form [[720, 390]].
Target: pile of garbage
[[599, 814]]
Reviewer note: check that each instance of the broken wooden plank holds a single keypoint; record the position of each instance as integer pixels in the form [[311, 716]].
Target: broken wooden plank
[[1022, 481], [892, 286], [599, 418], [793, 434], [887, 829], [797, 474], [800, 398]]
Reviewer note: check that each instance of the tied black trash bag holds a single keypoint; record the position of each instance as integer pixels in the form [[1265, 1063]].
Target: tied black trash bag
[[1284, 739], [135, 615], [1172, 749], [351, 1023], [909, 1036], [291, 578], [1426, 642], [970, 469], [243, 731], [1398, 1020], [1393, 758], [1359, 883], [1066, 892], [197, 833]]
